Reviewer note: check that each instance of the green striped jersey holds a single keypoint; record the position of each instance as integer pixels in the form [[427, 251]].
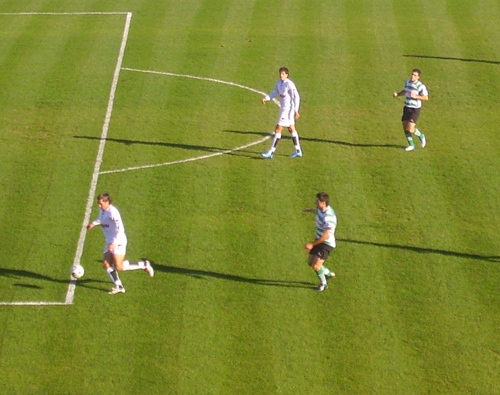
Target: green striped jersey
[[326, 220], [417, 87]]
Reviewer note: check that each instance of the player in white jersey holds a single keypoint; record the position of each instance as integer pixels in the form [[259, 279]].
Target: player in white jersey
[[414, 92], [289, 112], [324, 243], [115, 250]]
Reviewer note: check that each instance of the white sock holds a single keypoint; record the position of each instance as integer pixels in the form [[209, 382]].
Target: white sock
[[127, 265], [113, 275], [295, 139], [276, 140]]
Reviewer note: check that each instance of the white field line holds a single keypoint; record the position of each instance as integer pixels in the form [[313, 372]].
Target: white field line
[[203, 156], [33, 304], [189, 159], [70, 294], [95, 176], [62, 13]]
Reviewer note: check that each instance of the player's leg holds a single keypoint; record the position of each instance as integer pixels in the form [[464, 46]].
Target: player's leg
[[317, 264], [296, 141], [420, 135], [323, 273], [317, 257], [108, 264], [139, 265], [276, 139], [409, 128]]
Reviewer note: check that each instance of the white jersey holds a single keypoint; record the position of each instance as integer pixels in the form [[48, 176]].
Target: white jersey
[[289, 96], [326, 220], [112, 225]]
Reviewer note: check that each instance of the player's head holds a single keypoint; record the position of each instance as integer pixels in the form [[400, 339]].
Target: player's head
[[284, 73], [323, 197], [104, 197], [104, 201], [415, 74]]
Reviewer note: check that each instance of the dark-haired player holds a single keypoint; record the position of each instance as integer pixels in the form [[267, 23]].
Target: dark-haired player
[[324, 243], [289, 112], [415, 92], [116, 243]]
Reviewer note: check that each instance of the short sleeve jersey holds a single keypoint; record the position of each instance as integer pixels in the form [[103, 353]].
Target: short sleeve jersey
[[289, 95], [112, 225], [417, 87], [326, 220]]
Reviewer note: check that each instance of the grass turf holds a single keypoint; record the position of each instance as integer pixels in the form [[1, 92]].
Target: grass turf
[[415, 306]]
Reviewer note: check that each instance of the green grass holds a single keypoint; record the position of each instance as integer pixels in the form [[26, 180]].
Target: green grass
[[415, 306]]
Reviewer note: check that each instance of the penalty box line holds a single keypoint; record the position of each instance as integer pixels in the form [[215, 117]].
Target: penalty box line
[[228, 151], [70, 294]]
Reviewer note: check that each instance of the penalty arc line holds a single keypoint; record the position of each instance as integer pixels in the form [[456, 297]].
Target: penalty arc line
[[203, 156]]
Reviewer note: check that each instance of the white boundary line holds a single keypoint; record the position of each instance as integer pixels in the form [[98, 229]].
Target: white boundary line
[[203, 156], [62, 13], [70, 294]]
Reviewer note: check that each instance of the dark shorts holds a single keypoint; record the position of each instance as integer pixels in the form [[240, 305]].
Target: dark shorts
[[410, 114], [321, 251]]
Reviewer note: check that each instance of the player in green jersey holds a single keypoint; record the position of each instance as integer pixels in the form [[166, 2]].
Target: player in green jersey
[[324, 243], [415, 92]]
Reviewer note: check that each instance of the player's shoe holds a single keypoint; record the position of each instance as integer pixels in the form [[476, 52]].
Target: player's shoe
[[149, 269], [423, 142], [321, 287], [410, 148], [296, 154], [268, 155], [330, 276], [117, 290]]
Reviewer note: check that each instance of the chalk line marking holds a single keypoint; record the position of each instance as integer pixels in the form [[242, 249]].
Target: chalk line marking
[[62, 13], [70, 294], [228, 151]]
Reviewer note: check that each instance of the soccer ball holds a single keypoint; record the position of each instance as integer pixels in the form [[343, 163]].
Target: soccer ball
[[77, 271]]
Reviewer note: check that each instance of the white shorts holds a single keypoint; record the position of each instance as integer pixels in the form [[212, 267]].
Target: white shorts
[[120, 248], [286, 117]]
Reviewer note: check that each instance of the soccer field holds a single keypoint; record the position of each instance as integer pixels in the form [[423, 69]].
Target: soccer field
[[158, 103]]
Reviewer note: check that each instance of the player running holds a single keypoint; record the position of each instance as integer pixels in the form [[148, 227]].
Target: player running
[[414, 92], [320, 248]]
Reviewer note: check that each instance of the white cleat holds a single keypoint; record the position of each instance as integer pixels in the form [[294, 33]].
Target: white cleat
[[117, 290], [321, 287], [149, 269], [410, 148], [423, 142]]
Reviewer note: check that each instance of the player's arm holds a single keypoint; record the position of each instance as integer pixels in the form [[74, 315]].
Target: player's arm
[[400, 93], [271, 96], [324, 237], [310, 210], [294, 93], [93, 223], [423, 96]]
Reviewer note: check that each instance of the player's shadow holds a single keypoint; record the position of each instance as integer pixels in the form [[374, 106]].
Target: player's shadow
[[20, 274], [187, 147], [204, 274], [452, 58], [316, 140], [421, 250]]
